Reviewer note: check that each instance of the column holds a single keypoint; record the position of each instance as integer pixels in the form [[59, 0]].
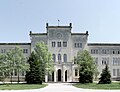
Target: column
[[46, 78], [63, 75], [55, 76]]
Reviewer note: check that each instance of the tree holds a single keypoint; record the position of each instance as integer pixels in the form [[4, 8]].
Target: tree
[[105, 76], [3, 67], [40, 63], [86, 66], [16, 61]]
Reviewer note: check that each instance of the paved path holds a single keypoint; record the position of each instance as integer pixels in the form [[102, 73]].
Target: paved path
[[60, 87]]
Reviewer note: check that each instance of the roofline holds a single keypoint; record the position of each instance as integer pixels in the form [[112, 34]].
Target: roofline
[[103, 44], [38, 34], [58, 27], [80, 33], [15, 43]]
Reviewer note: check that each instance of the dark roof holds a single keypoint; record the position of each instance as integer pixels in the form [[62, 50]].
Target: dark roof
[[38, 34], [79, 34], [58, 27], [15, 43], [103, 44]]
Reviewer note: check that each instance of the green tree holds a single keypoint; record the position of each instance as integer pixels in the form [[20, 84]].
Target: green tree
[[40, 64], [87, 67], [105, 76], [3, 67], [16, 61]]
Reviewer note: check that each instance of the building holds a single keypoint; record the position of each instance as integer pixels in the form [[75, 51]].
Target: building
[[64, 45]]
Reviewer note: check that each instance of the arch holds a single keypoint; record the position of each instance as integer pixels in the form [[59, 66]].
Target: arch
[[66, 76], [59, 57], [54, 57], [59, 75]]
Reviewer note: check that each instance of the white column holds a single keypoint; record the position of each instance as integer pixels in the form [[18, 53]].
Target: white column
[[55, 76], [63, 75], [46, 78]]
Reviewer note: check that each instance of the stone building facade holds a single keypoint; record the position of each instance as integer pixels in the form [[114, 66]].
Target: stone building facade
[[64, 45]]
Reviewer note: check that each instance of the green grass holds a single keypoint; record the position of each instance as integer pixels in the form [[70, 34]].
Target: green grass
[[115, 85], [21, 86]]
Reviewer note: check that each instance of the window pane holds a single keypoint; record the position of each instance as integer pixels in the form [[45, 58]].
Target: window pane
[[64, 44], [65, 58]]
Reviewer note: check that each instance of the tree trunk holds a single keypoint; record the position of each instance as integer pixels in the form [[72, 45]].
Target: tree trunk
[[11, 78], [18, 76]]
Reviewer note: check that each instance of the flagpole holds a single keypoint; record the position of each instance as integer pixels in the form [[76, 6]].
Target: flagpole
[[58, 22]]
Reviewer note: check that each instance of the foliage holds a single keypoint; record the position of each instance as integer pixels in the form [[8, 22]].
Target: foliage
[[11, 61], [87, 67], [3, 67], [40, 63], [16, 61], [105, 76]]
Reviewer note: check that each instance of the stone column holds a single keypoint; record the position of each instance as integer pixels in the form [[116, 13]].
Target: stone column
[[55, 76], [63, 75], [46, 78]]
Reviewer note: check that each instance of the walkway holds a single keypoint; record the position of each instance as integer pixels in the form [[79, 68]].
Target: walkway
[[60, 87]]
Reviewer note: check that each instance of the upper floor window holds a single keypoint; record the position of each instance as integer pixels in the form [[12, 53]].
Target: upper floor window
[[116, 61], [105, 60], [59, 57], [94, 51], [64, 44], [3, 50], [96, 60], [25, 50], [65, 57], [78, 45], [53, 44], [59, 44], [54, 57]]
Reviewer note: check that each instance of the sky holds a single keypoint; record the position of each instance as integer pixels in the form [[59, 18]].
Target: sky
[[101, 18]]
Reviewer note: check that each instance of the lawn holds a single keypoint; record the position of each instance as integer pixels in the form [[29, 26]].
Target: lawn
[[114, 85], [21, 86]]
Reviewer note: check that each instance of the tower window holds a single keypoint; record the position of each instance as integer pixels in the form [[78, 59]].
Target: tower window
[[59, 44], [64, 44]]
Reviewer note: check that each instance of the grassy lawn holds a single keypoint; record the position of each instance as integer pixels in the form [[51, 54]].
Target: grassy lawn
[[21, 86], [115, 85]]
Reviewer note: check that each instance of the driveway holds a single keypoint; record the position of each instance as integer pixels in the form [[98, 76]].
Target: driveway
[[60, 87]]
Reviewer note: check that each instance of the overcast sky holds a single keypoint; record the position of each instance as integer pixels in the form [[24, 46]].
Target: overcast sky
[[101, 18]]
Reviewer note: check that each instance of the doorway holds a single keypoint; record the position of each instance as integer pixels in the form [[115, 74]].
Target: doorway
[[66, 76], [59, 75]]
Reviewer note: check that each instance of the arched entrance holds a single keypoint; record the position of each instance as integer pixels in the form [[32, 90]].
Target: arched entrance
[[53, 76], [66, 76], [59, 75]]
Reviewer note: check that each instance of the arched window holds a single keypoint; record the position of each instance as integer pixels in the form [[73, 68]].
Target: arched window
[[59, 57], [65, 57], [54, 57]]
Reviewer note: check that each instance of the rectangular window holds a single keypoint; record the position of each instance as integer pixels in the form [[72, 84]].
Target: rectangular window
[[118, 72], [64, 44], [105, 61], [76, 72], [25, 50], [114, 72], [96, 60], [3, 50], [23, 73], [53, 44], [59, 44], [78, 45], [15, 72]]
